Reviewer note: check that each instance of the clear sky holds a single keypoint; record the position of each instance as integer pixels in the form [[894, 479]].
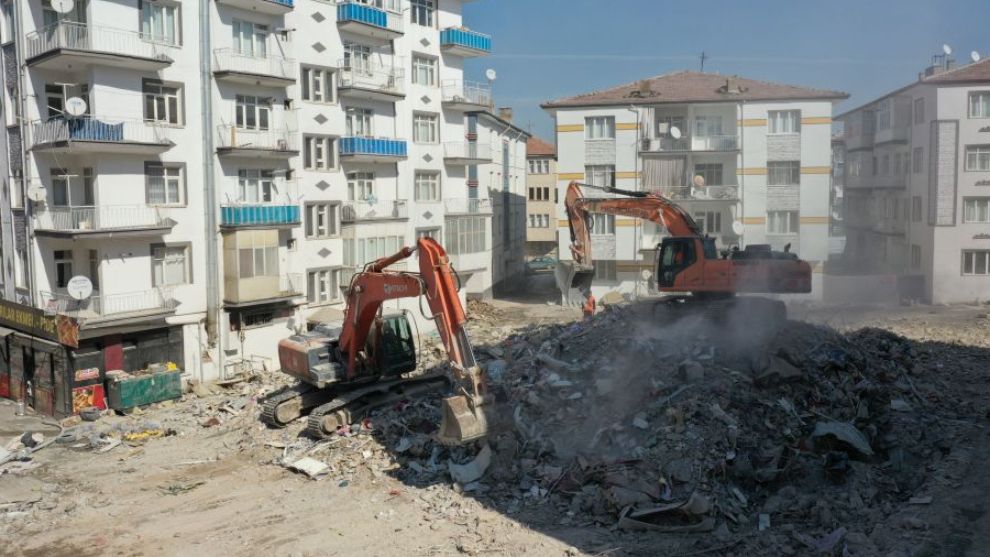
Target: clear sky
[[545, 49]]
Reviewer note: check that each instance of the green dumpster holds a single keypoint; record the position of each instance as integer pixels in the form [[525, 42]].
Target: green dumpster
[[128, 391]]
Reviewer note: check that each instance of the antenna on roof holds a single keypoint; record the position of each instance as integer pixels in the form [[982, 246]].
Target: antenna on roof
[[703, 57], [946, 49], [974, 56]]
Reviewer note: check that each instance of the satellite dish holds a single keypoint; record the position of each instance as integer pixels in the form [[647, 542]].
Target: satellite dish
[[79, 287], [675, 132], [37, 193], [490, 74], [75, 106], [699, 181], [974, 56], [947, 49], [737, 227], [62, 6]]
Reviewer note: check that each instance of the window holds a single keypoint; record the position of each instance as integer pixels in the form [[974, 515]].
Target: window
[[159, 22], [322, 220], [164, 184], [897, 163], [318, 152], [885, 165], [709, 221], [783, 173], [976, 262], [427, 186], [539, 166], [919, 111], [711, 172], [425, 128], [55, 95], [424, 71], [359, 122], [916, 208], [883, 115], [317, 85], [94, 268], [541, 193], [539, 221], [605, 269], [782, 222], [918, 160], [979, 104], [466, 235], [161, 103], [707, 126], [169, 265], [257, 260], [599, 127], [20, 261], [915, 257], [423, 12], [976, 209], [876, 166], [323, 285], [74, 191], [600, 175], [63, 267], [361, 251], [251, 319], [906, 166], [360, 186], [255, 186], [978, 157], [253, 113], [784, 121], [428, 233], [601, 224], [250, 39]]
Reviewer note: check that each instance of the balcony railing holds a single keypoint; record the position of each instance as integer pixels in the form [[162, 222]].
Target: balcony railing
[[103, 217], [94, 38], [694, 193], [229, 60], [232, 137], [694, 143], [466, 92], [355, 211], [467, 206], [467, 150], [261, 6], [377, 77], [351, 11], [97, 129], [99, 304], [375, 146], [291, 284], [463, 39]]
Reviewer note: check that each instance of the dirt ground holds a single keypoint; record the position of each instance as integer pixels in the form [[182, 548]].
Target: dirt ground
[[221, 491]]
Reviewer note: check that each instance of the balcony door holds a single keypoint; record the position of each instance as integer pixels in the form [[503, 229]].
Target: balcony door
[[357, 58], [72, 190], [253, 113], [256, 185], [359, 122], [250, 39]]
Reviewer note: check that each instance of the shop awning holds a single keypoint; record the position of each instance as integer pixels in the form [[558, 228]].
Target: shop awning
[[5, 332]]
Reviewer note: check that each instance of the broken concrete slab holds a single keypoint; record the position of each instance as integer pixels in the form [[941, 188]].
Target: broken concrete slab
[[473, 470]]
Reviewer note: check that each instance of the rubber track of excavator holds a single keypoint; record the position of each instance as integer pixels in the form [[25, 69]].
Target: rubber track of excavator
[[357, 403], [272, 402]]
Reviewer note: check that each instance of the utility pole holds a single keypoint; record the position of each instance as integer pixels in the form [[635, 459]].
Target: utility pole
[[703, 58]]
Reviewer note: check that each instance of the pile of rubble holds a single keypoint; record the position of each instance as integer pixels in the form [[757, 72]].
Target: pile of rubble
[[730, 428]]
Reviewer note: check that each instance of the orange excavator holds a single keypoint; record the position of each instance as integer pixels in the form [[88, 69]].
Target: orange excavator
[[348, 368], [687, 261]]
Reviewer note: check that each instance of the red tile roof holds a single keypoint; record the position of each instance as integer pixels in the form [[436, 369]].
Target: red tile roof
[[689, 86], [536, 147], [977, 71]]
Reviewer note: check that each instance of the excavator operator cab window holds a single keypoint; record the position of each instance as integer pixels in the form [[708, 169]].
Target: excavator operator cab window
[[676, 254], [711, 252], [398, 348]]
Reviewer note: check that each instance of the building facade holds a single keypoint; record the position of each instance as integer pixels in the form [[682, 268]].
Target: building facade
[[750, 160], [917, 184], [219, 170], [541, 198]]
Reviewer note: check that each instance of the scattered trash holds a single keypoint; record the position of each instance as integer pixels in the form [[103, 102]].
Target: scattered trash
[[179, 488], [764, 522], [686, 516], [313, 468], [471, 471]]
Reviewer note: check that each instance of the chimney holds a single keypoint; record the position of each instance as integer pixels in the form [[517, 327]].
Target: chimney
[[505, 113], [645, 90], [730, 85]]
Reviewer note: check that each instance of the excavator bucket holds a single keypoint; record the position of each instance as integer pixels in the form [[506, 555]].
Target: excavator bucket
[[574, 276], [462, 422]]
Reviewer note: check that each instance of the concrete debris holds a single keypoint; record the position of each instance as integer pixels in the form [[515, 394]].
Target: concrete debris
[[473, 470], [845, 433], [309, 466]]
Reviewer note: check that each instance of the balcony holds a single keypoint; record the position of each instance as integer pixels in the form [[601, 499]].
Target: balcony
[[893, 134], [269, 144], [466, 95], [67, 45], [694, 193], [462, 42], [106, 306], [270, 7], [362, 211], [467, 206], [105, 221], [372, 149], [375, 82], [466, 152], [368, 21], [99, 135], [706, 143], [245, 292], [270, 71]]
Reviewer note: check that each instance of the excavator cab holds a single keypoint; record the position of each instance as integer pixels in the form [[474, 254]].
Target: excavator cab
[[676, 255], [394, 344]]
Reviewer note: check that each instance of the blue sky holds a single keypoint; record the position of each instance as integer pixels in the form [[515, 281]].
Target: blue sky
[[545, 49]]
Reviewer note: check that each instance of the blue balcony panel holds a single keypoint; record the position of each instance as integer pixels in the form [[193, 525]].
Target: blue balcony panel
[[465, 43], [259, 215]]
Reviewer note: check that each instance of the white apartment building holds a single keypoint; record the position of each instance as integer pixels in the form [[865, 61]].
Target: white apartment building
[[749, 159], [235, 163], [541, 198], [917, 184]]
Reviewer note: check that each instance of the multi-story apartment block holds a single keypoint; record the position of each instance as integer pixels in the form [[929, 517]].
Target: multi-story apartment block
[[218, 170], [541, 198], [750, 160], [917, 184]]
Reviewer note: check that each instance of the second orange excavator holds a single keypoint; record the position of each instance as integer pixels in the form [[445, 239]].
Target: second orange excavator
[[687, 261]]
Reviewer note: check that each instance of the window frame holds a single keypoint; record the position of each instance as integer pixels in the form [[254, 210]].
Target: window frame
[[165, 100], [359, 122], [793, 224], [166, 168], [363, 182], [330, 213], [431, 179], [985, 105], [918, 110], [63, 266], [331, 282], [979, 151], [307, 84], [783, 119], [314, 143], [256, 107], [791, 170], [917, 160], [176, 22], [259, 35], [430, 67], [970, 259], [592, 173], [420, 10], [981, 204], [187, 270], [432, 122], [599, 128]]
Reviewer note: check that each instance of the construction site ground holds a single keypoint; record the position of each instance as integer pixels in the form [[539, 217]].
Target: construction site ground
[[202, 476]]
